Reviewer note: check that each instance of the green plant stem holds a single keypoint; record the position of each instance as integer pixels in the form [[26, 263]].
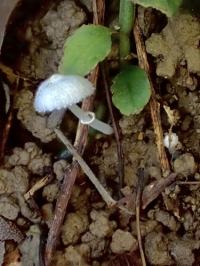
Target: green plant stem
[[126, 18]]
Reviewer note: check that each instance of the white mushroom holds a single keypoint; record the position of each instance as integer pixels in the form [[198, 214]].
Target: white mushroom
[[60, 91], [171, 140]]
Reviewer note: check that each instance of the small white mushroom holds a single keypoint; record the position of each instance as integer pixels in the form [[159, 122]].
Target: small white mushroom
[[171, 140], [60, 91]]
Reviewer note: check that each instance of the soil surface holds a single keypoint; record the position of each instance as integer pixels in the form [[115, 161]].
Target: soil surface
[[93, 233]]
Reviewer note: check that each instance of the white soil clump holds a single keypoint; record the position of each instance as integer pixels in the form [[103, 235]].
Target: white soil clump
[[74, 225], [79, 198], [15, 180], [183, 251], [178, 45], [78, 255], [8, 208], [156, 249], [185, 164], [98, 245], [101, 225], [145, 227], [123, 241], [31, 157], [100, 230], [59, 168], [50, 192], [168, 220]]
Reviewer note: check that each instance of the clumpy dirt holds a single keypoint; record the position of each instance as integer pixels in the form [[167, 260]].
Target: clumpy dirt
[[92, 233], [138, 153], [176, 49], [45, 37]]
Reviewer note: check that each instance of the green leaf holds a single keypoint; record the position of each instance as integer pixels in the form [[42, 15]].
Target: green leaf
[[169, 7], [88, 46], [131, 90]]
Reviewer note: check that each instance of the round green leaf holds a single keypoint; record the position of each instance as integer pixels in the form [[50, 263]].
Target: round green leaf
[[88, 46], [169, 7], [131, 90]]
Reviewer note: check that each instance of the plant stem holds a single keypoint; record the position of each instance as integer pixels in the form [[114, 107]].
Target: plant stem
[[126, 18]]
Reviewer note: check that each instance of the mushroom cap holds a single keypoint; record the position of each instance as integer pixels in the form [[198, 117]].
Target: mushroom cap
[[60, 91]]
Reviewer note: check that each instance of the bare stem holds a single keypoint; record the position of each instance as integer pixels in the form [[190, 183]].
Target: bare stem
[[89, 119], [108, 199]]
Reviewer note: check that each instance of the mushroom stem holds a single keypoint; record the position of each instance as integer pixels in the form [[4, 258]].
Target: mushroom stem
[[108, 199], [88, 118]]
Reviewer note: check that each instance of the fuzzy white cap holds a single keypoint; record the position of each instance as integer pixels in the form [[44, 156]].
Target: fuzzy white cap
[[61, 91]]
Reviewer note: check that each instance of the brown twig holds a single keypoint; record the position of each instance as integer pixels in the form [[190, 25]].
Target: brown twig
[[139, 188], [115, 127], [61, 205], [154, 105], [68, 183], [152, 191], [38, 185], [98, 12], [64, 196], [127, 205], [5, 135], [71, 172], [6, 131], [188, 183]]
